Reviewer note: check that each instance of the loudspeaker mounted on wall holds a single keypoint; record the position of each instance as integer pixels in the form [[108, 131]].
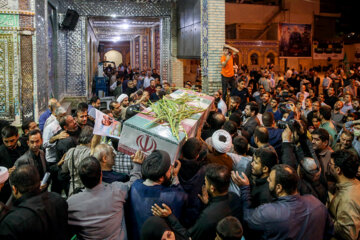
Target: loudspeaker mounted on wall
[[70, 20]]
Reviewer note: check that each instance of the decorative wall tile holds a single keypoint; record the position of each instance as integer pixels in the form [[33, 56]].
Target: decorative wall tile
[[117, 7], [9, 4], [137, 52], [9, 20], [3, 3], [61, 64], [8, 69], [165, 67], [75, 84], [41, 55], [24, 4], [157, 48], [27, 104], [204, 45], [212, 42], [145, 51], [26, 21]]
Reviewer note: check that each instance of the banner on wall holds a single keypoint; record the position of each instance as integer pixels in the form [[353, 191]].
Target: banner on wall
[[294, 40], [328, 51]]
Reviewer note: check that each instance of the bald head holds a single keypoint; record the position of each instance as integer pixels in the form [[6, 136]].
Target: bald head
[[309, 165], [268, 119], [261, 135], [217, 121]]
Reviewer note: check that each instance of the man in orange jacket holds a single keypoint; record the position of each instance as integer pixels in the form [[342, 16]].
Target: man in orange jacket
[[227, 70]]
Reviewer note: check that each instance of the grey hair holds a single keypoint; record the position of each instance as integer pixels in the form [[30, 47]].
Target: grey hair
[[101, 150], [309, 165], [52, 103], [59, 111], [86, 135]]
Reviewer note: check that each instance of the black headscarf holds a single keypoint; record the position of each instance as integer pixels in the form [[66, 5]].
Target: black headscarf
[[154, 228]]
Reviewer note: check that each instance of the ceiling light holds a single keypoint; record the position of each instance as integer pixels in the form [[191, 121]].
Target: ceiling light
[[116, 39], [125, 26], [113, 15]]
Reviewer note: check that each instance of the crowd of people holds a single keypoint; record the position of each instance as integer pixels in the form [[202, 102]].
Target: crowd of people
[[277, 158]]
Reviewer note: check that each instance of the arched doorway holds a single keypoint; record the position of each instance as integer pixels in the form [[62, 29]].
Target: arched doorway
[[270, 59], [254, 59], [114, 56]]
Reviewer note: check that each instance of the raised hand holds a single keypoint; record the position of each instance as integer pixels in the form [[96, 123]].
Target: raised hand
[[204, 197], [286, 134], [238, 180], [176, 169], [161, 212], [139, 157]]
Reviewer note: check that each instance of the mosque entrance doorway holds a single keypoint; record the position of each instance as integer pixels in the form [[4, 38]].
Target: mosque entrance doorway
[[132, 42]]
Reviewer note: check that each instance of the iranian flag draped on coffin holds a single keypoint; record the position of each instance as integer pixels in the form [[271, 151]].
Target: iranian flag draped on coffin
[[139, 133]]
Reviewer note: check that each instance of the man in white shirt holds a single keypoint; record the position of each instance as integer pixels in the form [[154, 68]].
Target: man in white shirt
[[303, 91], [49, 138], [147, 80], [326, 83], [52, 116], [221, 105]]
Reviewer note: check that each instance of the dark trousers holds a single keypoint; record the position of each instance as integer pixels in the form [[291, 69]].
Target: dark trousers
[[227, 82], [56, 184]]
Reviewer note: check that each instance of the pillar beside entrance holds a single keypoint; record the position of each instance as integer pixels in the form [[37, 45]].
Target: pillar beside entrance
[[152, 49], [177, 66], [165, 64], [212, 42]]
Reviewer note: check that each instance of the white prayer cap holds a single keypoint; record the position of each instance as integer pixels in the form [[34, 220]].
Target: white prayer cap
[[122, 98], [220, 145]]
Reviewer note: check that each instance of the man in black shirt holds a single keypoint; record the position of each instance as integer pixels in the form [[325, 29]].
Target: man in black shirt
[[68, 124], [216, 121], [27, 127], [10, 151], [264, 159], [265, 103], [82, 115], [234, 107], [155, 74], [241, 92], [34, 156], [35, 214], [313, 113], [331, 99], [220, 204]]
